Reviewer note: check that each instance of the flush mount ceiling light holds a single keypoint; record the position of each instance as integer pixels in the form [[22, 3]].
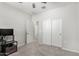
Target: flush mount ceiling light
[[20, 2], [43, 7], [34, 4], [44, 2]]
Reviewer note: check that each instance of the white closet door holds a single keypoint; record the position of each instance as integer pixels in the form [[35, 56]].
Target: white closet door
[[52, 32], [46, 29], [56, 32]]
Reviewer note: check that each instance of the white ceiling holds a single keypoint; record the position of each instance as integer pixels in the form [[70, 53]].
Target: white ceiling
[[27, 6]]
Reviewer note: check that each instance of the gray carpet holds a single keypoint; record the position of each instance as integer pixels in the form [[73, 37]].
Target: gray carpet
[[35, 49]]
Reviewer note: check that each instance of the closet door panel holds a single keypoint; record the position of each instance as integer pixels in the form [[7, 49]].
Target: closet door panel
[[46, 31], [57, 32]]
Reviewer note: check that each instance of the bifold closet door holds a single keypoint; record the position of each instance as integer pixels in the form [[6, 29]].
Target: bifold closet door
[[56, 25], [52, 32], [46, 31]]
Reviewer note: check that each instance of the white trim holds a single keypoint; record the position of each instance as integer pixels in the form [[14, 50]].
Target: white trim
[[76, 51]]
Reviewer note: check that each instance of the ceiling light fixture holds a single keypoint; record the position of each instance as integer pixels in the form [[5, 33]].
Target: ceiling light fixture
[[44, 2], [33, 5], [20, 2], [43, 7]]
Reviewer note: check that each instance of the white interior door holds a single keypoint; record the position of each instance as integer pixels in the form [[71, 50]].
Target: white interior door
[[56, 32], [29, 31], [52, 32], [46, 29]]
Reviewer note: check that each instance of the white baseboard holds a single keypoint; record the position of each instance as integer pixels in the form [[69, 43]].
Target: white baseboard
[[76, 51]]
